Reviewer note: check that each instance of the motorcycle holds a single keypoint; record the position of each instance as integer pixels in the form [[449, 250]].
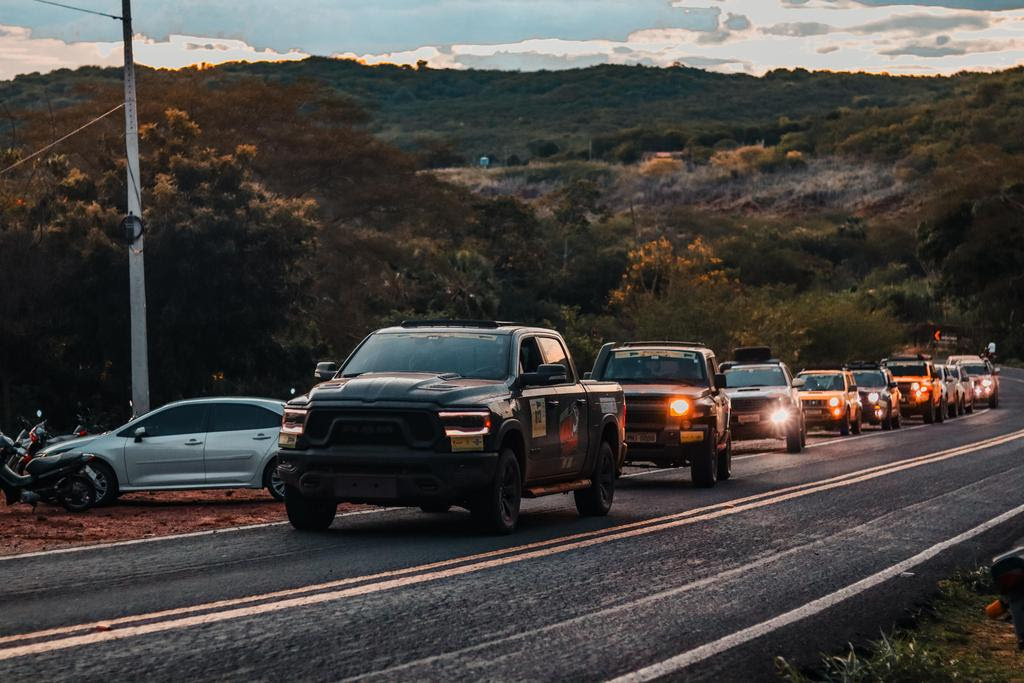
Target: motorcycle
[[57, 479], [36, 439]]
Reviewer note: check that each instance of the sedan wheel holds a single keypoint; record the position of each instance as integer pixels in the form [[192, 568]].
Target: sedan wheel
[[272, 482]]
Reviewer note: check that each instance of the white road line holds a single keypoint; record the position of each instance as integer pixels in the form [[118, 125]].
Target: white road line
[[681, 661], [171, 537], [607, 612], [80, 634]]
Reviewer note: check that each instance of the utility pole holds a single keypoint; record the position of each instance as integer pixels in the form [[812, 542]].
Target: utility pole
[[136, 264]]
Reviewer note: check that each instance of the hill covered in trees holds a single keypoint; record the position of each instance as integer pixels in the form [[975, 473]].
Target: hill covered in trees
[[290, 208]]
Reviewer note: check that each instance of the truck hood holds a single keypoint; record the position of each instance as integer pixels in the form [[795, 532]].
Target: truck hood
[[757, 392], [662, 390], [409, 388]]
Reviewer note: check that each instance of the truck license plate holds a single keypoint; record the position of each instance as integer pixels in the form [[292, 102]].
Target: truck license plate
[[747, 419], [641, 437]]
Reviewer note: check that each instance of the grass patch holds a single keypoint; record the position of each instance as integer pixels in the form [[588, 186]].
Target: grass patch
[[951, 640]]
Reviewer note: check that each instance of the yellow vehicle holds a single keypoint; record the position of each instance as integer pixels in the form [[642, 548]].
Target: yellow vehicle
[[830, 399], [921, 389]]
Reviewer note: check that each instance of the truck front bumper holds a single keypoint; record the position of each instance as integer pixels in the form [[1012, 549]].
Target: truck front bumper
[[393, 476]]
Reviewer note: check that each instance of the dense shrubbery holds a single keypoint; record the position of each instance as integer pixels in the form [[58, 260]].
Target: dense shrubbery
[[281, 230]]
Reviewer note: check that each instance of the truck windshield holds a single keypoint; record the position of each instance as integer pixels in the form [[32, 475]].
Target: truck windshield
[[471, 355], [870, 378], [757, 376], [647, 366], [908, 369], [823, 383]]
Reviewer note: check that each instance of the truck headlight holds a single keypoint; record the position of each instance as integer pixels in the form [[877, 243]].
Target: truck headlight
[[780, 416], [833, 401], [466, 422], [679, 407], [873, 397], [294, 421]]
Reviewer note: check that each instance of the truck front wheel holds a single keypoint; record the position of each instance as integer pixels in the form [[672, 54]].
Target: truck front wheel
[[496, 508], [308, 515], [704, 466], [596, 501]]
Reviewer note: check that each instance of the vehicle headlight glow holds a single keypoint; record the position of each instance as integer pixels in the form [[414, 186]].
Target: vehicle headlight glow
[[834, 401], [466, 422], [873, 397], [987, 382], [915, 386], [679, 407], [780, 416]]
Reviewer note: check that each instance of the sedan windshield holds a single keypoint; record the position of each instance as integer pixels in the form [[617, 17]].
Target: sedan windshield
[[908, 369], [823, 383], [471, 355], [755, 376], [975, 368], [870, 378], [645, 366]]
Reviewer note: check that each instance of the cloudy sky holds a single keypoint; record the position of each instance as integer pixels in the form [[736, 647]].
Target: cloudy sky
[[897, 36]]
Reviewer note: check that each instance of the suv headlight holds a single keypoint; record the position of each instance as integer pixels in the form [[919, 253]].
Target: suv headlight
[[679, 407], [873, 397]]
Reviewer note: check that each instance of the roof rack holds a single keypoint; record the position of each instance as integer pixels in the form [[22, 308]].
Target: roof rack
[[863, 365], [488, 324], [752, 354], [824, 368], [909, 356], [662, 343]]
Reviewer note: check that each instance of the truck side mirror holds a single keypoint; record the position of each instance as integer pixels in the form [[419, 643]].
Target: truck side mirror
[[325, 370], [140, 434], [893, 385], [588, 375], [720, 380], [546, 375], [799, 382]]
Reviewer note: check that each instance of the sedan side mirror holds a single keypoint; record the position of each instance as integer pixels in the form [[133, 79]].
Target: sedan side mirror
[[799, 383], [140, 434], [546, 375], [325, 370]]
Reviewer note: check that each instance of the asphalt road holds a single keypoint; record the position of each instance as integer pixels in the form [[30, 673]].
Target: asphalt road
[[795, 555]]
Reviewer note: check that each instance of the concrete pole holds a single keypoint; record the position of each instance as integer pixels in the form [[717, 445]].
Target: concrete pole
[[136, 264]]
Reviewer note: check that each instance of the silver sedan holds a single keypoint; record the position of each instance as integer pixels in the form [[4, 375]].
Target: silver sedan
[[208, 443]]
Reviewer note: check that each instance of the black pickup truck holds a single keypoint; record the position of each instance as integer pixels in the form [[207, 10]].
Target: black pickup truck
[[432, 414]]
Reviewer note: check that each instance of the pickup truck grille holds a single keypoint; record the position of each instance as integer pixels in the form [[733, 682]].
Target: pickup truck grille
[[752, 405], [905, 387], [346, 427], [650, 415]]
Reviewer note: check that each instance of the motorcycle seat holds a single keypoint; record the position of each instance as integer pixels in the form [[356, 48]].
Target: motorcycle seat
[[40, 466]]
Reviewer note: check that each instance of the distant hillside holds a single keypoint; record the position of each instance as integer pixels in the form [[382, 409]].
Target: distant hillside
[[459, 115]]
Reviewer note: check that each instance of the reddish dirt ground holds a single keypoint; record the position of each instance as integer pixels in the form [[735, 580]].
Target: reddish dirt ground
[[135, 515]]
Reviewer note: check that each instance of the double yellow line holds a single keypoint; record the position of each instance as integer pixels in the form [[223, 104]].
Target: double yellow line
[[49, 640]]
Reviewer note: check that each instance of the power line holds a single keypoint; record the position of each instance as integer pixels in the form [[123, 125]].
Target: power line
[[79, 9], [59, 140]]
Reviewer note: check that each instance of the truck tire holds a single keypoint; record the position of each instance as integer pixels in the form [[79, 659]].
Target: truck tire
[[929, 414], [951, 411], [794, 439], [844, 426], [496, 508], [888, 421], [856, 427], [704, 466], [596, 501], [940, 414], [993, 401], [308, 515], [725, 459]]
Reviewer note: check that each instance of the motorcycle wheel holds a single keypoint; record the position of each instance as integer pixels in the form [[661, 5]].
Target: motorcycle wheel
[[76, 493]]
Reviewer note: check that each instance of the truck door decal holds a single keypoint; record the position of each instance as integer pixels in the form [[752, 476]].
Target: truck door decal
[[539, 417], [569, 430]]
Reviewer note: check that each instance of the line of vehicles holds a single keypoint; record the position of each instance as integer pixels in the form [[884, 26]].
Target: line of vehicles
[[481, 414]]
